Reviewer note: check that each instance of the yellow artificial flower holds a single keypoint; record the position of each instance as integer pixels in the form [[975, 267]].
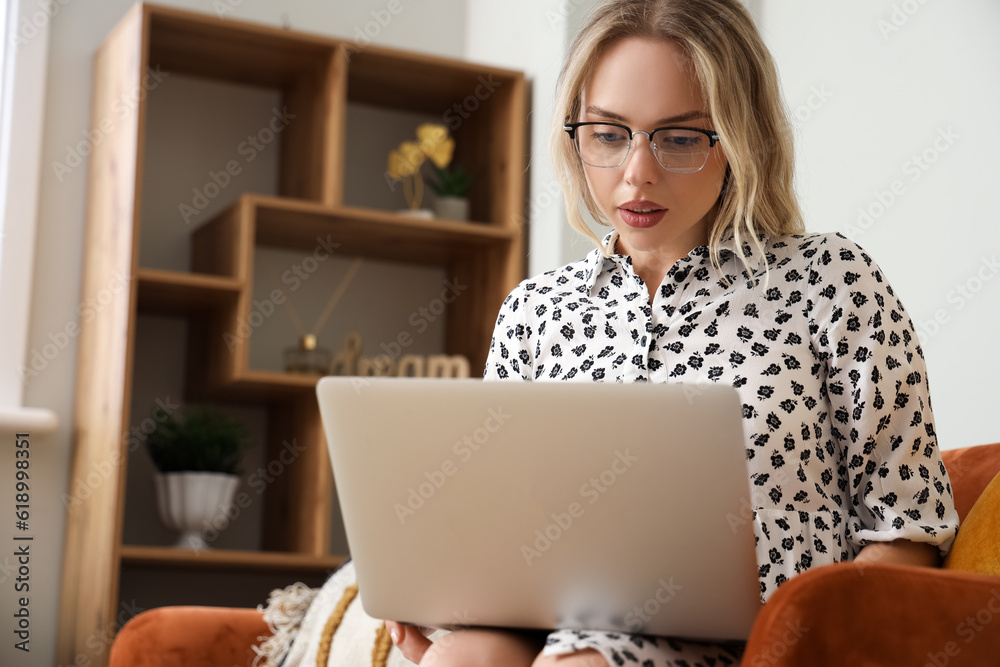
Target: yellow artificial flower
[[436, 144], [405, 161]]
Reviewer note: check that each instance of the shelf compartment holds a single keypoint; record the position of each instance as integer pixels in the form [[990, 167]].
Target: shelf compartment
[[483, 108], [307, 70], [255, 561], [383, 235], [175, 293], [223, 245], [469, 255]]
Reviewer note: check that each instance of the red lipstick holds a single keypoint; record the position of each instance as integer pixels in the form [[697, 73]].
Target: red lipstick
[[641, 213]]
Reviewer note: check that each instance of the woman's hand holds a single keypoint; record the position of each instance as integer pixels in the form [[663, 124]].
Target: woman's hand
[[899, 552], [411, 642]]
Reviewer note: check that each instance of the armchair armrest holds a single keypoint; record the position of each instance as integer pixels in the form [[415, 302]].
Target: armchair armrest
[[188, 636], [877, 614]]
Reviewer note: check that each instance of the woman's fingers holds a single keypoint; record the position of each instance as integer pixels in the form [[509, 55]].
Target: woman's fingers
[[411, 643]]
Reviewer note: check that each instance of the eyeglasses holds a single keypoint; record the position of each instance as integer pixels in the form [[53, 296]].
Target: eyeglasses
[[680, 149]]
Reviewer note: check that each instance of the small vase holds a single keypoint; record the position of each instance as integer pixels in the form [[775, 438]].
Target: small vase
[[307, 359], [452, 208], [190, 502]]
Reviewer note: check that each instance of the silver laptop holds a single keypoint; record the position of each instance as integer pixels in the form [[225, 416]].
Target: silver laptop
[[587, 505]]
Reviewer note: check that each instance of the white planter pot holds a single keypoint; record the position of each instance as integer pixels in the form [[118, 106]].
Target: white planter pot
[[424, 213], [452, 208], [190, 502]]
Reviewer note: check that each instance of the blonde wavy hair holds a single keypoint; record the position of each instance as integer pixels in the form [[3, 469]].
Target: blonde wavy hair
[[739, 83]]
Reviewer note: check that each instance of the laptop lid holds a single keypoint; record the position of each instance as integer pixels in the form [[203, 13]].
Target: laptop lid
[[600, 506]]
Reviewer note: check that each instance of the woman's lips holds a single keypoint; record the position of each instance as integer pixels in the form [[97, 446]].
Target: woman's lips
[[641, 213]]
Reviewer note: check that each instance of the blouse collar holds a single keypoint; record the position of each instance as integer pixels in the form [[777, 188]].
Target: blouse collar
[[595, 262]]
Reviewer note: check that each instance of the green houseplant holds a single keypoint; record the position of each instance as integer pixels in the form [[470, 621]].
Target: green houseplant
[[204, 441], [452, 188], [198, 464]]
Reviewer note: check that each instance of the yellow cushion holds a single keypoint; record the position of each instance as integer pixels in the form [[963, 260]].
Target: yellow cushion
[[977, 546]]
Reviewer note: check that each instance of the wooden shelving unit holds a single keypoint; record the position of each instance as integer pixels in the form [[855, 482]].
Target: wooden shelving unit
[[319, 80], [173, 293], [223, 559]]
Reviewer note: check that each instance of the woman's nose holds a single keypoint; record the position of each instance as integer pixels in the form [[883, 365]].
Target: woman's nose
[[641, 166]]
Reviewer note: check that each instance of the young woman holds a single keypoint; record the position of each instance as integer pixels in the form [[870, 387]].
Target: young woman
[[671, 130]]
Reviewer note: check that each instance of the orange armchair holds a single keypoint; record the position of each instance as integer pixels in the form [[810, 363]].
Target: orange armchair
[[842, 614], [874, 615], [188, 637]]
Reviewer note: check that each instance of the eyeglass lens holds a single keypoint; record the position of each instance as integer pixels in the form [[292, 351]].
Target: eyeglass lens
[[676, 150]]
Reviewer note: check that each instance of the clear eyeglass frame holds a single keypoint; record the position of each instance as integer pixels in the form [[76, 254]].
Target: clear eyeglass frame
[[713, 138]]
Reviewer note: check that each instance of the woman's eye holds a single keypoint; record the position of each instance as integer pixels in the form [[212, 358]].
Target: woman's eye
[[682, 141], [608, 137]]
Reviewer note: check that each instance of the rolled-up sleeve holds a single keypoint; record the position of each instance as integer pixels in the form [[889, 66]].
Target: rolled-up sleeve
[[509, 356], [880, 409]]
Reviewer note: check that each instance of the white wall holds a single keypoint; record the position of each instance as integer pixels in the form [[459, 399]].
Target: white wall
[[532, 36], [77, 29], [875, 85], [871, 86]]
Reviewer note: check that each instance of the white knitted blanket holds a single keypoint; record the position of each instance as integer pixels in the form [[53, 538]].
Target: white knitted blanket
[[297, 616]]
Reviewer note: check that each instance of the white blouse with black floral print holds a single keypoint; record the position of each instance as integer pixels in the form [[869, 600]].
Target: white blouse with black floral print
[[840, 438]]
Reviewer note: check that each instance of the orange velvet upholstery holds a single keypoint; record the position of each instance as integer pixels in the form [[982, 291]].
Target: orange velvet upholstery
[[877, 615], [970, 470], [188, 637], [843, 614]]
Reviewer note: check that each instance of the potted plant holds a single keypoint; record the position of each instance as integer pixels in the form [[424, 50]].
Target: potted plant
[[452, 189], [453, 182], [198, 464]]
